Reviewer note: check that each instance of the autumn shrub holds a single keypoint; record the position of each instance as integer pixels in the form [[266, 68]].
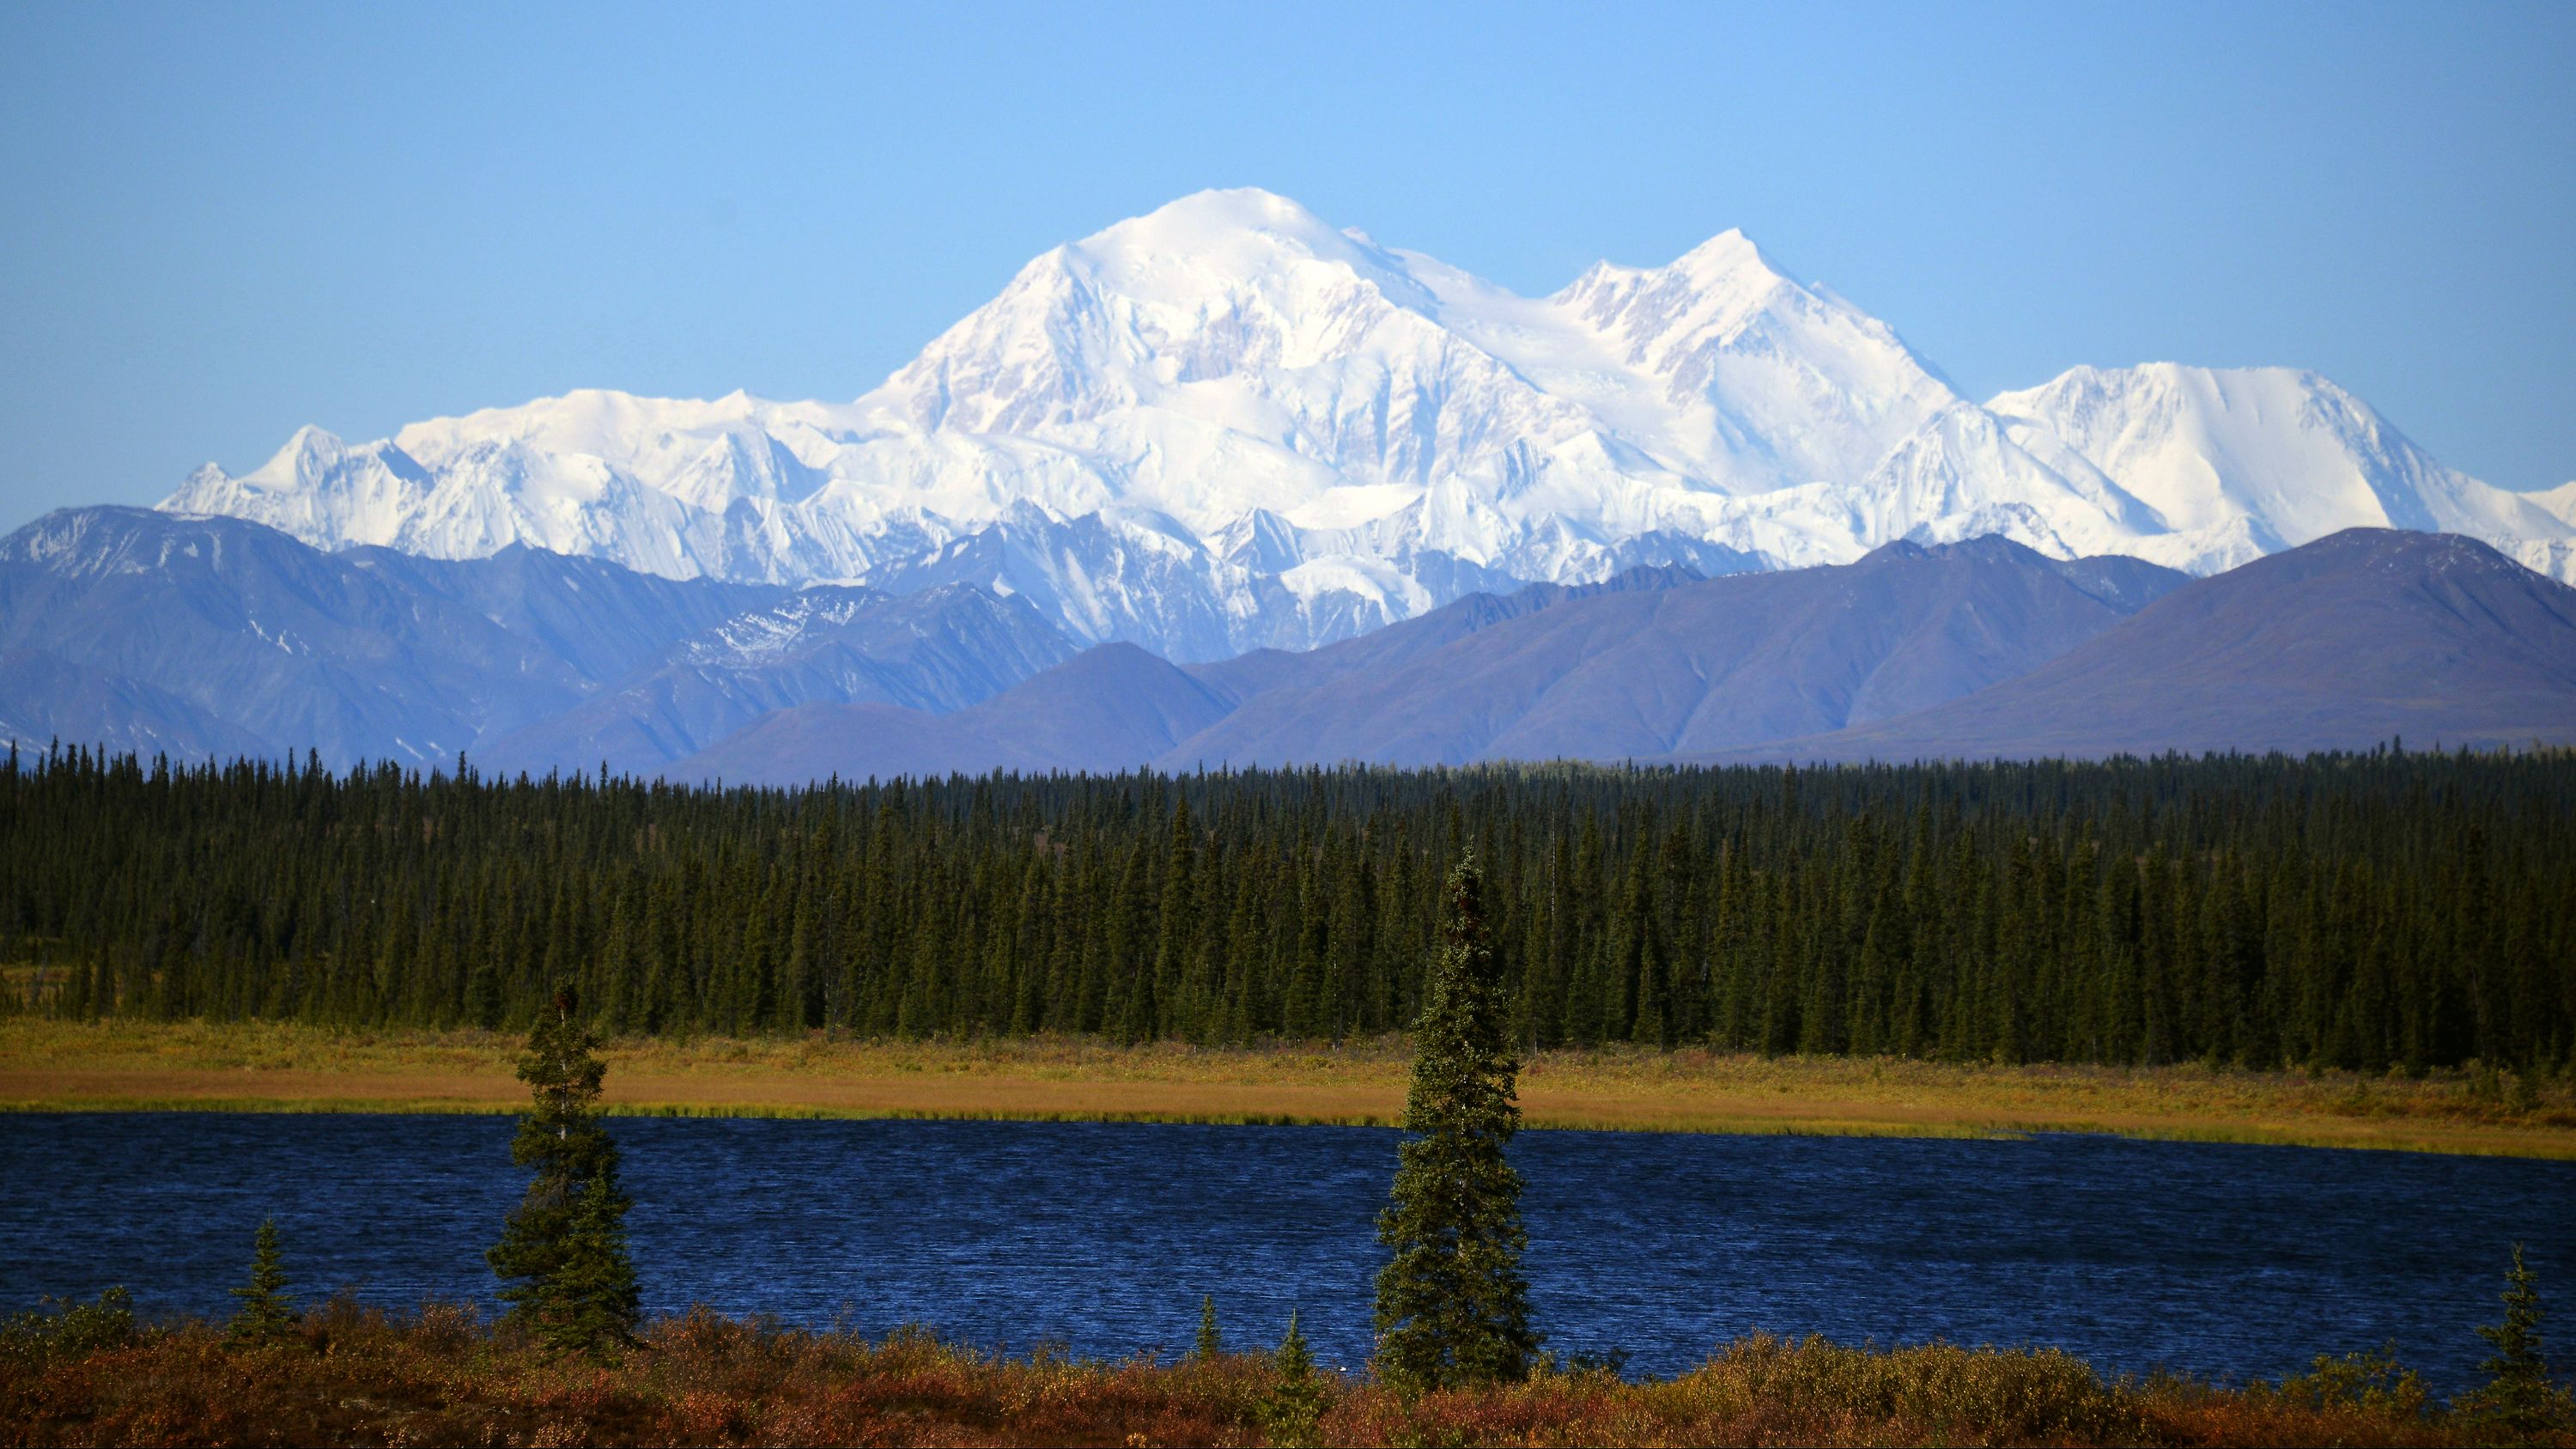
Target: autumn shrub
[[2373, 1382], [348, 1373], [67, 1328]]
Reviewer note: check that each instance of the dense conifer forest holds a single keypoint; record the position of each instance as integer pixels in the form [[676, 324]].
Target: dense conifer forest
[[2360, 911]]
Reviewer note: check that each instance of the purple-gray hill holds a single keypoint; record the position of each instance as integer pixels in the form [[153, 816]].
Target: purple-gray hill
[[1700, 665], [934, 651], [212, 638], [1115, 707], [2345, 643]]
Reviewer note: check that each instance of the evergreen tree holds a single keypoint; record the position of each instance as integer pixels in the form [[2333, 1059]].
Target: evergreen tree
[[593, 1292], [265, 1315], [563, 1251], [1291, 1411], [1210, 1345], [2518, 1396], [2366, 911], [1451, 1305]]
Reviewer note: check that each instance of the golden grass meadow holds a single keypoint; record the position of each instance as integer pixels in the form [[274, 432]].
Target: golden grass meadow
[[48, 1065]]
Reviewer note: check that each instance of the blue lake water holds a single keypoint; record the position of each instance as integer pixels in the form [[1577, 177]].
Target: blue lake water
[[2224, 1261]]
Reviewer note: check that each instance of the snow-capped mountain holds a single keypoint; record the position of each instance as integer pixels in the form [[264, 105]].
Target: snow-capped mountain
[[1228, 424], [2232, 465]]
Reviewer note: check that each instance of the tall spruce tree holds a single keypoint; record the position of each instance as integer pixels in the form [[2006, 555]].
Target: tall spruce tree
[[266, 1315], [563, 1251], [1452, 1307]]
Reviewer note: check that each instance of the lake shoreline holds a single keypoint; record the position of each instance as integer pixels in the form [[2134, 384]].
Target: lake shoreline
[[55, 1066]]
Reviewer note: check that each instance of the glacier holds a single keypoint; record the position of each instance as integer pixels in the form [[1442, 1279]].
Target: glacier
[[1229, 425]]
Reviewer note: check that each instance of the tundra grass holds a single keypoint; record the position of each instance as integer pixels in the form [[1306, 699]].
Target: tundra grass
[[48, 1065]]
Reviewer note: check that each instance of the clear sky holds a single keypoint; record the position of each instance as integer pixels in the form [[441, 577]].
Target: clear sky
[[218, 222]]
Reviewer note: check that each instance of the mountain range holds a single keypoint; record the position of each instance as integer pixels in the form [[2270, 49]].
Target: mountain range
[[1228, 426], [1224, 485], [210, 638], [2364, 635]]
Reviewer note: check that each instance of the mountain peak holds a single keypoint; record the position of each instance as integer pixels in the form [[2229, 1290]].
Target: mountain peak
[[1220, 231], [307, 457], [1229, 423], [1730, 253], [1726, 262], [309, 442], [1246, 207], [2240, 461]]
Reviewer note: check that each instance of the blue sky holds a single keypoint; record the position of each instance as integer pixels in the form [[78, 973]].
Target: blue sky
[[225, 221]]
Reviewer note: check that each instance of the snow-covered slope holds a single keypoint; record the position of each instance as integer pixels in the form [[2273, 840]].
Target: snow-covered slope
[[1227, 424], [2235, 464]]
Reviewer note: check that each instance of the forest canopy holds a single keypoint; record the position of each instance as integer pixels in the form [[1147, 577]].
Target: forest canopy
[[2364, 911]]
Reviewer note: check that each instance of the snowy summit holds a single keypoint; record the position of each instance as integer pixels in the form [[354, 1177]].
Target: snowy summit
[[1229, 424]]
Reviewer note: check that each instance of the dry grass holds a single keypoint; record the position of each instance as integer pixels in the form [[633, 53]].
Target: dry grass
[[52, 1066], [352, 1375]]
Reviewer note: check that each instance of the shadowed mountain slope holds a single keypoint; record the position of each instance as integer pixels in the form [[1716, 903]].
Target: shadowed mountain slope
[[814, 742], [296, 647], [1104, 710], [43, 699], [935, 651], [213, 637], [1704, 665], [1113, 708], [1108, 709], [604, 620], [2344, 643]]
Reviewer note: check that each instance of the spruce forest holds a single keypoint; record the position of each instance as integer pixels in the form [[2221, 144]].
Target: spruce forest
[[2366, 911]]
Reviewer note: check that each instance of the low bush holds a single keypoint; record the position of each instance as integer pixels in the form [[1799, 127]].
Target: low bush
[[344, 1374]]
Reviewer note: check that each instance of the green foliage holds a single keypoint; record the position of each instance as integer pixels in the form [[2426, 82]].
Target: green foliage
[[1210, 1345], [2518, 1398], [69, 1329], [562, 1252], [1452, 1307], [2373, 1382], [265, 1314], [1609, 1362], [2356, 912], [1940, 1392], [1290, 1412]]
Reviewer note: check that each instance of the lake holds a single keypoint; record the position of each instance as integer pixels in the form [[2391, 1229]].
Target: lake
[[2224, 1261]]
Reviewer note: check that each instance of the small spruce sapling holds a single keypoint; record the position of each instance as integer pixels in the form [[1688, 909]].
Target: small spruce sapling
[[265, 1315], [2518, 1396], [1210, 1346], [1294, 1407]]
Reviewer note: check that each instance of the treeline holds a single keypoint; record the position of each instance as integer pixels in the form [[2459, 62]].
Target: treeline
[[2360, 911]]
